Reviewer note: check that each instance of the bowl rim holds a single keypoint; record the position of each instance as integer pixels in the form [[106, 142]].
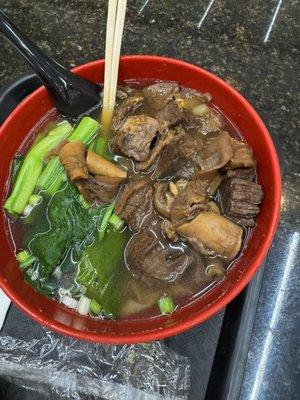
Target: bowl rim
[[217, 306]]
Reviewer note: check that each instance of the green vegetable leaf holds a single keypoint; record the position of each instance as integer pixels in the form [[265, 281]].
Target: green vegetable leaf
[[101, 271], [70, 225]]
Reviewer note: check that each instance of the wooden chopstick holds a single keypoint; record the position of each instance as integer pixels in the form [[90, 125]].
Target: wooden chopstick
[[110, 33], [114, 32], [116, 51]]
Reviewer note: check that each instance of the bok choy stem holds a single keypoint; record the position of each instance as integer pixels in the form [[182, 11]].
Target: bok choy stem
[[100, 146], [32, 167], [54, 174]]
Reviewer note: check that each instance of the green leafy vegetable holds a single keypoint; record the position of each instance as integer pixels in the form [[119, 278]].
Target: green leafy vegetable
[[101, 271], [70, 226], [31, 169]]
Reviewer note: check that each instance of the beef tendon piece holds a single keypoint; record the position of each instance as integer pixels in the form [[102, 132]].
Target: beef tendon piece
[[100, 166], [170, 115], [127, 106], [159, 94], [163, 198], [169, 231], [72, 156], [240, 200], [179, 158], [181, 201], [167, 137], [135, 136], [215, 232], [123, 92], [135, 202], [189, 98], [216, 152], [102, 189], [150, 257], [190, 201], [242, 156], [205, 119]]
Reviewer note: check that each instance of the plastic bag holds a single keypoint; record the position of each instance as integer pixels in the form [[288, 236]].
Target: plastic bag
[[52, 364]]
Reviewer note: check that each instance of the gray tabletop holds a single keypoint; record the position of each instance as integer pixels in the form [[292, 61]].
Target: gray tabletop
[[251, 44]]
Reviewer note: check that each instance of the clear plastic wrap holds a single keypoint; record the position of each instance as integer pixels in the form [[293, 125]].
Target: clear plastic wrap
[[53, 365]]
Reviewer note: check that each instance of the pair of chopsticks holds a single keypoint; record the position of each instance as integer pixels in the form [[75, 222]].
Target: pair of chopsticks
[[114, 33]]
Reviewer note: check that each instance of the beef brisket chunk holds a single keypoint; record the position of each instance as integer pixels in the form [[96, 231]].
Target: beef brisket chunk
[[240, 200], [135, 136], [134, 202]]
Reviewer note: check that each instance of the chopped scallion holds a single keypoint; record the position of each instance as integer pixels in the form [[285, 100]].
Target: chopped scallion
[[83, 306], [34, 199], [95, 307], [23, 255], [116, 222], [166, 305], [107, 213], [26, 263]]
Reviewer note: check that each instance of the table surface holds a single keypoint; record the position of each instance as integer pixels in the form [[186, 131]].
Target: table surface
[[252, 45]]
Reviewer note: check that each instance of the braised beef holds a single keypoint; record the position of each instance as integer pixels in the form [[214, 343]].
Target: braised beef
[[163, 140], [216, 152], [123, 92], [159, 94], [135, 136], [182, 201], [102, 189], [150, 257], [127, 106], [178, 159], [242, 173], [163, 198], [240, 200], [190, 201], [171, 114], [192, 94], [169, 230], [196, 277], [209, 122], [242, 156], [134, 202]]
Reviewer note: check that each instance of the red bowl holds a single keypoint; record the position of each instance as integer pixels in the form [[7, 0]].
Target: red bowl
[[53, 315]]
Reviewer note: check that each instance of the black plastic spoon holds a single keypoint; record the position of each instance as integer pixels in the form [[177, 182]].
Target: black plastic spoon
[[72, 95]]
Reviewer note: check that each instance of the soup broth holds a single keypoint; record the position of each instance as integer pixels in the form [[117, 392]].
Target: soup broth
[[165, 225]]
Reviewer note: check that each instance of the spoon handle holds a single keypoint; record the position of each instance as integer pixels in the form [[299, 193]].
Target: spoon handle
[[65, 87]]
